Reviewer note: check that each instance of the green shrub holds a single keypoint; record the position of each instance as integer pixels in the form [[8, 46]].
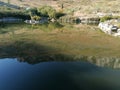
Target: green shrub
[[105, 18], [116, 17]]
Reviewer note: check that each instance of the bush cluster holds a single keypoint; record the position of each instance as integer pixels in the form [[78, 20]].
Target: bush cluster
[[105, 18], [47, 11], [31, 13]]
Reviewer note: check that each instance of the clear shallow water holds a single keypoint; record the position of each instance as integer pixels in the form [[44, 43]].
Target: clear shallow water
[[16, 75]]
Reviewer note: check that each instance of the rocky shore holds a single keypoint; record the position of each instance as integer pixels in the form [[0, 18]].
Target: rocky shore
[[109, 27]]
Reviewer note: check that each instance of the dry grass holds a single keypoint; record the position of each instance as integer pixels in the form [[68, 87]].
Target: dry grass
[[33, 3], [81, 6]]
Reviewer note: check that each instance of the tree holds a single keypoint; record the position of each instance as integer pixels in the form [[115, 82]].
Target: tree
[[8, 1], [62, 6]]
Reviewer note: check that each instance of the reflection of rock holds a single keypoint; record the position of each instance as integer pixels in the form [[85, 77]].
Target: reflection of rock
[[112, 62], [41, 21], [109, 62], [69, 19]]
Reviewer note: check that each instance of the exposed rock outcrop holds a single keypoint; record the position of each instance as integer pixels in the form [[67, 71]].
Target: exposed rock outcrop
[[109, 28]]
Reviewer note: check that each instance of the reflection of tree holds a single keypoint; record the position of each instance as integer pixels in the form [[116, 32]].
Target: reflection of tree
[[48, 26]]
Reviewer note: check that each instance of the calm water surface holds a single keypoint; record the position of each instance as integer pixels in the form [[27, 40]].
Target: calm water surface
[[15, 75], [25, 67]]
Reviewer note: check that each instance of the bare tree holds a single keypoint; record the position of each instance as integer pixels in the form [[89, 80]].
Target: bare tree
[[8, 1]]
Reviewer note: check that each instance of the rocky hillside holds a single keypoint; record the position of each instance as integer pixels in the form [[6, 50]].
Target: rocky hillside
[[31, 3], [77, 6]]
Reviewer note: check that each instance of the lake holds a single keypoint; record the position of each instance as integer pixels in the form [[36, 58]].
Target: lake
[[57, 56], [56, 76]]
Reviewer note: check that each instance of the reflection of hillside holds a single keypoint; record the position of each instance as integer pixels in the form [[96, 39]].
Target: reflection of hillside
[[32, 53], [43, 58]]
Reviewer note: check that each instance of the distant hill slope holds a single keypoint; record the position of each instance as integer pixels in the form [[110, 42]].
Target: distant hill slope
[[78, 6], [32, 3]]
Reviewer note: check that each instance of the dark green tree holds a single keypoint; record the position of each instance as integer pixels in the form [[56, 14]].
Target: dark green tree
[[20, 0]]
